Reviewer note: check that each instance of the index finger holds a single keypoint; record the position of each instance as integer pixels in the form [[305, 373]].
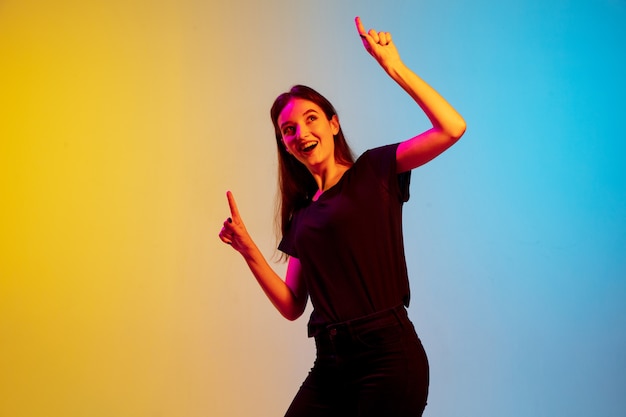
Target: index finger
[[359, 27], [234, 211]]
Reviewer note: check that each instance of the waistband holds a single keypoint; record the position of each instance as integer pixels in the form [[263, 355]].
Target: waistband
[[382, 317]]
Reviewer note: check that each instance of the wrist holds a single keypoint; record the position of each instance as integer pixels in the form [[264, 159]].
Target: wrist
[[248, 249], [394, 68]]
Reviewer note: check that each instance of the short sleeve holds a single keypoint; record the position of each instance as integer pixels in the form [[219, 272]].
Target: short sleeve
[[383, 162], [287, 243]]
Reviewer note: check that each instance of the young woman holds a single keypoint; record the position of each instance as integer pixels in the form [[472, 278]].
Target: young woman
[[342, 230]]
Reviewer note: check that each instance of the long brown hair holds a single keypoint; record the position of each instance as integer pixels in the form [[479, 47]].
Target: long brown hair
[[296, 183]]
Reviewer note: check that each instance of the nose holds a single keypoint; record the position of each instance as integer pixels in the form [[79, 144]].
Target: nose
[[302, 131]]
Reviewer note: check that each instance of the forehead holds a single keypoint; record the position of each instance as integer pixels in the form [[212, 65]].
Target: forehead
[[295, 108]]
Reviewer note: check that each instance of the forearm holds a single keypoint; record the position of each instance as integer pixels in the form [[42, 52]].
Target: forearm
[[289, 303], [277, 290], [441, 114]]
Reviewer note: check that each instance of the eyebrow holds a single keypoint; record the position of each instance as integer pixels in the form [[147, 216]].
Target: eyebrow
[[304, 114]]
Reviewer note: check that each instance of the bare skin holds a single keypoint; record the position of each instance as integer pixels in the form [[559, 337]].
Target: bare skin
[[289, 296], [309, 136]]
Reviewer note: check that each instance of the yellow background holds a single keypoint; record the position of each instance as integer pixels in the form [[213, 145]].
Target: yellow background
[[123, 124]]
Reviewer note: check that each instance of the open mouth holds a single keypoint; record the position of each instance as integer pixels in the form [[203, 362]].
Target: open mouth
[[308, 147]]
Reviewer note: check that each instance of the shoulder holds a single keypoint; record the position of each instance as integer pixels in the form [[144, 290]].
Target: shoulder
[[381, 152], [381, 159], [381, 162]]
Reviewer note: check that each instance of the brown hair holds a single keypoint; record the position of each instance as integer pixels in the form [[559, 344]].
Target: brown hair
[[296, 183]]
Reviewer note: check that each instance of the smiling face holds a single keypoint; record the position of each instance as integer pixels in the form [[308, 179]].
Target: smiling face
[[308, 134]]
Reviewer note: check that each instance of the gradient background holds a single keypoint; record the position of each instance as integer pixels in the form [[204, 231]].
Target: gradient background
[[123, 123]]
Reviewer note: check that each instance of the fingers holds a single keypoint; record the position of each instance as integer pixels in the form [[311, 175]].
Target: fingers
[[372, 37], [224, 238], [226, 234], [380, 38], [234, 211], [384, 38]]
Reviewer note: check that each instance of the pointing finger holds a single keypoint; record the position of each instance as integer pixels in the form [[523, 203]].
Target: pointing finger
[[234, 211], [368, 41], [359, 26]]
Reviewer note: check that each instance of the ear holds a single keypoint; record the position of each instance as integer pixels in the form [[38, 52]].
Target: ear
[[334, 124]]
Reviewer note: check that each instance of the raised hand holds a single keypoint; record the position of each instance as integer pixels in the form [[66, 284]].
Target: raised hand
[[234, 231], [379, 45]]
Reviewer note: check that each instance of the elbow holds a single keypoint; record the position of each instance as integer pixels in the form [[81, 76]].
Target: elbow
[[292, 315], [457, 129], [294, 312]]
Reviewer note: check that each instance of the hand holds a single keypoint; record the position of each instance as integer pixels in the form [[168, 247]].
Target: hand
[[379, 45], [234, 231]]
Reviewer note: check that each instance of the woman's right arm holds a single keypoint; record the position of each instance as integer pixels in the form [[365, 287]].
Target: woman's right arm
[[288, 296]]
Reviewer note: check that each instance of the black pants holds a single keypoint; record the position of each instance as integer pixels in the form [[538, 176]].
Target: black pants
[[370, 367]]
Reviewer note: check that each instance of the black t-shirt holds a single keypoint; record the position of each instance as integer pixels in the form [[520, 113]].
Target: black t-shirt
[[349, 242]]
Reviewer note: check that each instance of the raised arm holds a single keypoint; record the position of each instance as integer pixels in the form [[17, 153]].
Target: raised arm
[[448, 125], [289, 296]]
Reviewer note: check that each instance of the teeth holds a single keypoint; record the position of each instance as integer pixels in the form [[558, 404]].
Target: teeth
[[308, 146]]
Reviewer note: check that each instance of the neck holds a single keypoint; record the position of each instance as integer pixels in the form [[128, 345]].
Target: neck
[[328, 177]]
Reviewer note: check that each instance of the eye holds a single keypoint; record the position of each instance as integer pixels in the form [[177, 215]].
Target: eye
[[312, 118], [288, 130]]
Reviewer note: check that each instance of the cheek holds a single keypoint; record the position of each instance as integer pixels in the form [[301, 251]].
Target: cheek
[[288, 143]]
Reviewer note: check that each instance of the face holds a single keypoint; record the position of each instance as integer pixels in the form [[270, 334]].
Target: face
[[307, 134]]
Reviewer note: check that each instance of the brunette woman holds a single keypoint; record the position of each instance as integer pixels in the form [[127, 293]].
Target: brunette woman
[[341, 223]]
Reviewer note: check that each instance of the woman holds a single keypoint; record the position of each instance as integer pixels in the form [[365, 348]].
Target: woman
[[342, 230]]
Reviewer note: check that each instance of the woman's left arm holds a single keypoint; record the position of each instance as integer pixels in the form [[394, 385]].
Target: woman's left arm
[[448, 125]]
